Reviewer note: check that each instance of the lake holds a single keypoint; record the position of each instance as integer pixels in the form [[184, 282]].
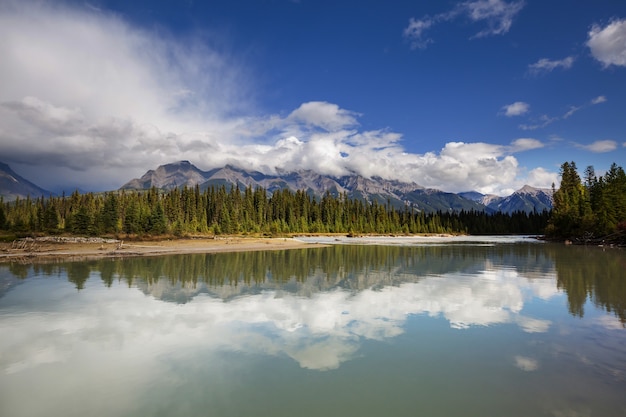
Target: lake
[[477, 327]]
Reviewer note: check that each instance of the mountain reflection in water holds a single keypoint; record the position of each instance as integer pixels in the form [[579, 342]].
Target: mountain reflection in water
[[438, 330], [583, 273], [315, 305]]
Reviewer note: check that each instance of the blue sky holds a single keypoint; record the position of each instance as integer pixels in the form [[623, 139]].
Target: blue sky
[[483, 95]]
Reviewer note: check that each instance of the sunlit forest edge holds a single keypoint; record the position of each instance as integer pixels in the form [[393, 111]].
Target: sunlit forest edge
[[593, 210]]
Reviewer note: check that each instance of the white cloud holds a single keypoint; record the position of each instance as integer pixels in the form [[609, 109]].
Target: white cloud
[[547, 65], [525, 144], [600, 146], [114, 101], [598, 100], [516, 109], [571, 111], [608, 44], [84, 89], [469, 166], [325, 115], [497, 15], [47, 116], [541, 178], [458, 166], [415, 30]]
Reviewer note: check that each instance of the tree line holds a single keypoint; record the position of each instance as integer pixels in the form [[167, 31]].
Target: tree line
[[221, 210], [589, 209]]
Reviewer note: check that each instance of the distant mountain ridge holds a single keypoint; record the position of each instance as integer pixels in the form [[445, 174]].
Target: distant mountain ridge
[[13, 186], [526, 199], [398, 194]]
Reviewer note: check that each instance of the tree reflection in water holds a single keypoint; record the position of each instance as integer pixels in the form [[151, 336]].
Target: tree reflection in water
[[584, 273]]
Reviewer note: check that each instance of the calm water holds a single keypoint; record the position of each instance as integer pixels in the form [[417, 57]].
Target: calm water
[[475, 329]]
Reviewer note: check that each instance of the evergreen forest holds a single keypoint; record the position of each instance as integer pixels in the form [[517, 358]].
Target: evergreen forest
[[216, 211], [588, 209], [591, 209]]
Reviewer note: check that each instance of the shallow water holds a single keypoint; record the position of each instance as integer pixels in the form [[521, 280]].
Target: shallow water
[[490, 328]]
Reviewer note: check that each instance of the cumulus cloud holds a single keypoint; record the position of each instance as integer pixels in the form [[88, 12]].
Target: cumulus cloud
[[458, 166], [542, 178], [496, 15], [608, 44], [600, 146], [516, 109], [327, 116], [84, 89], [90, 101], [469, 166], [545, 65]]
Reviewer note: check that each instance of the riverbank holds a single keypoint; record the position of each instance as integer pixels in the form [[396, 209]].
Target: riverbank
[[71, 247], [67, 247]]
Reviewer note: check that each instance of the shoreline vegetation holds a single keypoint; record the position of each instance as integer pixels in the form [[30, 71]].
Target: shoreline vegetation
[[592, 212], [589, 212]]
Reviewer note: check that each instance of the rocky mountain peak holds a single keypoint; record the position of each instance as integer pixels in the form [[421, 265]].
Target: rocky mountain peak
[[397, 193], [14, 186], [354, 186]]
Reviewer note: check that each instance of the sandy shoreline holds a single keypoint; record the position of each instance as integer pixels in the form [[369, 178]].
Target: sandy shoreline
[[72, 248], [108, 248]]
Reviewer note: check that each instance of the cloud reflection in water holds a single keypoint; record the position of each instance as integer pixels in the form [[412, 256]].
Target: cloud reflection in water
[[320, 331]]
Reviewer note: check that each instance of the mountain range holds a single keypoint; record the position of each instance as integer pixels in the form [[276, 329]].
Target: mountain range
[[398, 194], [383, 191]]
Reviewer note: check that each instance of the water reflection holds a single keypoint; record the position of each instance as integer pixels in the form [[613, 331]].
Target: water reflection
[[583, 273], [316, 305], [350, 267], [222, 334], [594, 274]]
